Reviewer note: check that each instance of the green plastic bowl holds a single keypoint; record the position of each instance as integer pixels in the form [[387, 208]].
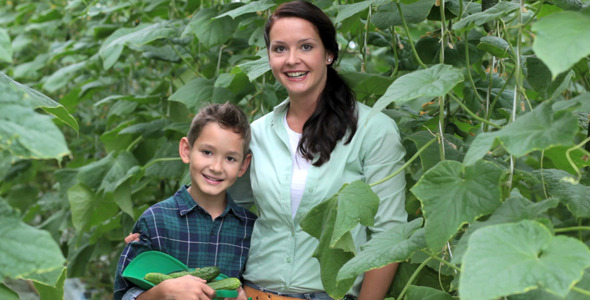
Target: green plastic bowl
[[156, 261]]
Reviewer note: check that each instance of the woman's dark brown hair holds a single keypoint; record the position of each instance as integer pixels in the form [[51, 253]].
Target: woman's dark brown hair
[[336, 113]]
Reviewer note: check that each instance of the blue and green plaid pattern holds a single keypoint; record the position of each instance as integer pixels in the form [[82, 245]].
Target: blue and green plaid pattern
[[179, 227]]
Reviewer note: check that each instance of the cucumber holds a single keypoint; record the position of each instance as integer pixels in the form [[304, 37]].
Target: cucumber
[[156, 278], [207, 273], [230, 283]]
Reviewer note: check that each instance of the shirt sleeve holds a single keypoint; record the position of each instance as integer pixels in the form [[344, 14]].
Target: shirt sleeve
[[130, 251], [384, 155], [241, 190]]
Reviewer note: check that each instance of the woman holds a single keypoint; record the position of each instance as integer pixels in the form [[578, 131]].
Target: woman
[[304, 151]]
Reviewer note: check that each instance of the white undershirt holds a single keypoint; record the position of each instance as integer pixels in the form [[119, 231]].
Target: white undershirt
[[300, 168]]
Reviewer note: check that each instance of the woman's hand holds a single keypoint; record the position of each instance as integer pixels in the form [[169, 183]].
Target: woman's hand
[[132, 237], [241, 295]]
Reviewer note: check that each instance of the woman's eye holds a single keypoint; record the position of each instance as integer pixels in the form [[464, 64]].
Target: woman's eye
[[306, 47], [279, 49]]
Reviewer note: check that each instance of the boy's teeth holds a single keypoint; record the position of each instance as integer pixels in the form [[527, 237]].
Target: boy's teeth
[[296, 74]]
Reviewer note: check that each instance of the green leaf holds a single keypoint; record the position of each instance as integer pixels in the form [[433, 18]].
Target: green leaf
[[435, 81], [393, 245], [63, 76], [255, 68], [514, 258], [503, 8], [5, 46], [366, 85], [561, 40], [331, 222], [211, 31], [475, 192], [52, 291], [430, 156], [348, 10], [7, 294], [81, 199], [539, 129], [562, 185], [28, 134], [13, 91], [496, 46], [559, 156], [427, 293], [388, 15], [251, 7], [119, 170], [198, 91], [113, 46], [568, 4], [25, 250]]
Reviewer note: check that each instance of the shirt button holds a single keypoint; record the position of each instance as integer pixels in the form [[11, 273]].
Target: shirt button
[[288, 259]]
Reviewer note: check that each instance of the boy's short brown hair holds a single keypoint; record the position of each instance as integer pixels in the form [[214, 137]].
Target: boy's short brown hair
[[227, 115]]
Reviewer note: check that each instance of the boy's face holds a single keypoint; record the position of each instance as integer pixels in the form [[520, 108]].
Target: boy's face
[[216, 160]]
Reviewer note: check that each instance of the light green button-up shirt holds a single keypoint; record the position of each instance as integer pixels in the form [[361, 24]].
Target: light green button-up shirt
[[281, 253]]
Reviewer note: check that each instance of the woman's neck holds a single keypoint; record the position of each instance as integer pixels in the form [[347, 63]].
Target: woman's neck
[[300, 110]]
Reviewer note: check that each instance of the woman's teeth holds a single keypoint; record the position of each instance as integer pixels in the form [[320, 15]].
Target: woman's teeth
[[296, 74]]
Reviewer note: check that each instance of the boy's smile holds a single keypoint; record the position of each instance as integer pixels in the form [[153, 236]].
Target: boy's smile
[[216, 160]]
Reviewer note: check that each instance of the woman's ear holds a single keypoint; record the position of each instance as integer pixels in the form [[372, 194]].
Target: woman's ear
[[184, 149]]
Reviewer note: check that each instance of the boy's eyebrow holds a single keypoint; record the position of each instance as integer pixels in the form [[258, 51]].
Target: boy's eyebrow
[[234, 153]]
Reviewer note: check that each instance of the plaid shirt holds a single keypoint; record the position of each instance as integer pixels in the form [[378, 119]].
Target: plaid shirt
[[179, 227]]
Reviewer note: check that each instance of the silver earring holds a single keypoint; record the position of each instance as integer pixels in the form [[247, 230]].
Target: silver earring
[[329, 59]]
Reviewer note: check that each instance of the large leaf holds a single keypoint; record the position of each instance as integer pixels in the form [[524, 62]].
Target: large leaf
[[5, 46], [113, 46], [251, 7], [331, 222], [562, 185], [88, 209], [393, 245], [388, 15], [7, 294], [63, 76], [13, 91], [503, 8], [52, 291], [561, 39], [211, 31], [539, 129], [255, 68], [435, 81], [427, 293], [514, 258], [453, 194], [25, 250], [28, 134], [366, 85]]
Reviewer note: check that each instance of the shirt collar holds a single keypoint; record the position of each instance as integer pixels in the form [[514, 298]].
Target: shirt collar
[[186, 204]]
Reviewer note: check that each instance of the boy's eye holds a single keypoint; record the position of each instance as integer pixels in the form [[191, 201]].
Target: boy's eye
[[206, 152], [231, 158]]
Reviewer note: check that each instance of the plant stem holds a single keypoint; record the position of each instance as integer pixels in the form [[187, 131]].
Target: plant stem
[[422, 149], [469, 112], [399, 8], [188, 64], [581, 291], [434, 256], [420, 267], [135, 142], [569, 158], [575, 228]]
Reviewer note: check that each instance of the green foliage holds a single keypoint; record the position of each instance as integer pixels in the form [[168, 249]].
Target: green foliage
[[491, 97]]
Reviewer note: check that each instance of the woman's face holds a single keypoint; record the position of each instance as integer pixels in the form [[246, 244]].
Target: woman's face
[[297, 57]]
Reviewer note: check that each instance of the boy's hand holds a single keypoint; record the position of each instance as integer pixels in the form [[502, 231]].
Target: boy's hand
[[132, 237], [241, 295], [186, 287]]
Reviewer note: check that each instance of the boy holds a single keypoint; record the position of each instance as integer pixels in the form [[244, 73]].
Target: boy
[[200, 225]]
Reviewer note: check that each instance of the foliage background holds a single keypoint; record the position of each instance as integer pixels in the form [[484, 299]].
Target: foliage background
[[491, 98]]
